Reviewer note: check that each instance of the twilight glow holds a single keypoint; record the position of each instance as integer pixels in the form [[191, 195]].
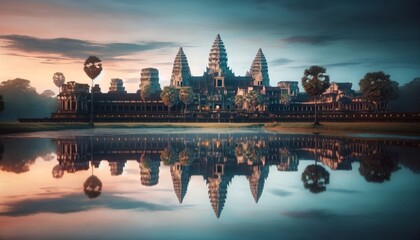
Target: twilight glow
[[349, 38]]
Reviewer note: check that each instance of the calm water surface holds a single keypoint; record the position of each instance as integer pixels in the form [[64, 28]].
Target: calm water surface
[[207, 184]]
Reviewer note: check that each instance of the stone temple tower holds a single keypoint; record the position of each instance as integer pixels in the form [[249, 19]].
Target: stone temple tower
[[181, 72], [150, 76], [259, 70], [218, 58]]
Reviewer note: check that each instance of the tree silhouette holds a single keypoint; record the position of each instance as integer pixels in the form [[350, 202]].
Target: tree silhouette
[[409, 97], [344, 101], [378, 88], [59, 79], [315, 177], [58, 171], [92, 68], [169, 156], [48, 93], [92, 187], [315, 82], [186, 95], [169, 97], [22, 101], [145, 94], [377, 166], [1, 103]]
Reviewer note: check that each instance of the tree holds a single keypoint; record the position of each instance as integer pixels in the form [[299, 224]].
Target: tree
[[92, 68], [409, 97], [59, 79], [186, 95], [253, 99], [92, 187], [315, 177], [378, 88], [20, 100], [48, 93], [344, 101], [169, 97], [239, 101], [315, 82], [1, 103], [145, 94]]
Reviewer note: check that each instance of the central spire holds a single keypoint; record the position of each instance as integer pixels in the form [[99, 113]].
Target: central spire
[[181, 72], [218, 58]]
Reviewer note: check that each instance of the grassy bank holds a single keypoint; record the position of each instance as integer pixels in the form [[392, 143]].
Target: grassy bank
[[15, 127], [292, 127], [346, 127]]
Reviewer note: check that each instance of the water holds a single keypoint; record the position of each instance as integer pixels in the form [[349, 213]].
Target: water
[[207, 184]]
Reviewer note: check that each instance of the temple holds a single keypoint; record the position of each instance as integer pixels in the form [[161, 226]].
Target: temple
[[215, 94]]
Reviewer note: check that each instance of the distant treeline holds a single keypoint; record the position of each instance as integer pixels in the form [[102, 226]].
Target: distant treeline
[[21, 100]]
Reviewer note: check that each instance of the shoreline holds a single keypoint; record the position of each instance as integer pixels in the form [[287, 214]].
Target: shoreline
[[326, 128]]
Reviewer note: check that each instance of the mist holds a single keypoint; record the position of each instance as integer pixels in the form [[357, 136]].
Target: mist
[[22, 101]]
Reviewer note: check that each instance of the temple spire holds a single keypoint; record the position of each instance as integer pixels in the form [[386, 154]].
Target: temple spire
[[259, 70], [181, 72], [218, 58]]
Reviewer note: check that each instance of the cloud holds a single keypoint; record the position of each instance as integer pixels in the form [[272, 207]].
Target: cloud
[[280, 193], [76, 48], [78, 203], [342, 190], [310, 40], [344, 64], [280, 61], [310, 214]]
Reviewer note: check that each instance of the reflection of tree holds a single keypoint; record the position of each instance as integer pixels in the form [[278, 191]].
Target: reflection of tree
[[19, 154], [170, 155], [251, 152], [58, 171], [315, 177], [377, 167], [92, 187], [186, 156]]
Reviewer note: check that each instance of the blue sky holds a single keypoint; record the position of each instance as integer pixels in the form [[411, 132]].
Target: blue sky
[[349, 38]]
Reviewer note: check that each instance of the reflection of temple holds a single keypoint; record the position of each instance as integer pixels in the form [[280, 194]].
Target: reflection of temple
[[218, 158]]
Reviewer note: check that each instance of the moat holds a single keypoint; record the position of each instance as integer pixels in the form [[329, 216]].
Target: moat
[[207, 184]]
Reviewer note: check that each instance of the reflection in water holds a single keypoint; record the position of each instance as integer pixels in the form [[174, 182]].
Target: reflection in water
[[218, 158]]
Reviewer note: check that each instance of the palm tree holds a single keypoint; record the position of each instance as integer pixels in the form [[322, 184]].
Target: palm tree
[[253, 99], [239, 101], [59, 79], [186, 95], [315, 82], [145, 94], [92, 187], [169, 96], [92, 68]]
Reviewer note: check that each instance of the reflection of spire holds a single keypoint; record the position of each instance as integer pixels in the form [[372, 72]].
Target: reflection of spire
[[117, 167], [256, 181], [149, 172], [180, 178], [218, 184]]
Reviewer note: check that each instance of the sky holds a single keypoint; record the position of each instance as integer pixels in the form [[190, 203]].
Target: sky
[[349, 38]]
